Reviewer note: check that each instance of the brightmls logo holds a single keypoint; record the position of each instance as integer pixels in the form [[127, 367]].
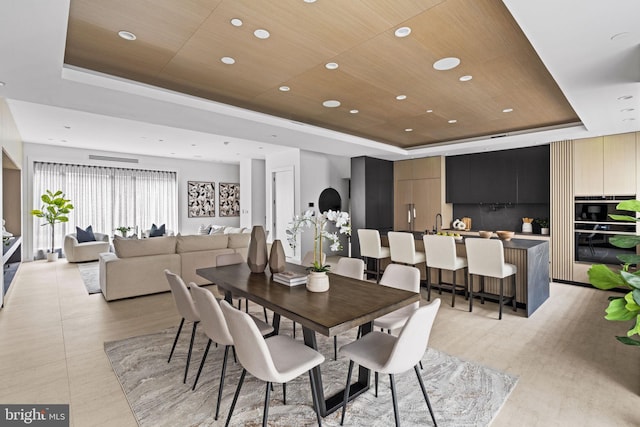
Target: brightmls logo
[[34, 415]]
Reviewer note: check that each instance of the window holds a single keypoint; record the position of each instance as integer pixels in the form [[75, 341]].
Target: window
[[106, 198]]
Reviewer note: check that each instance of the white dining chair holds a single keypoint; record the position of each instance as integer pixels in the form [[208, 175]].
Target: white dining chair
[[387, 354], [348, 267], [486, 258], [277, 359], [400, 277], [186, 309], [215, 327], [371, 247], [441, 255]]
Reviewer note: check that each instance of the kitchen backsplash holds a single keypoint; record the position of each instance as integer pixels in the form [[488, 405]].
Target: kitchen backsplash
[[499, 216]]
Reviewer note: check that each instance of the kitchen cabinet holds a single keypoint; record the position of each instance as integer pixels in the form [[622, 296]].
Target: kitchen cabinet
[[419, 194], [533, 166], [605, 166]]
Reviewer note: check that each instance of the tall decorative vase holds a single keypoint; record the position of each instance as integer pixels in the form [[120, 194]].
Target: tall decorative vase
[[277, 258], [318, 281], [257, 254]]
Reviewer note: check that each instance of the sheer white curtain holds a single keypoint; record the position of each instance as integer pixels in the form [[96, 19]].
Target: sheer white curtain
[[106, 198]]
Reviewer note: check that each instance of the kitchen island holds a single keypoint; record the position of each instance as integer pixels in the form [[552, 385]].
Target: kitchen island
[[532, 279]]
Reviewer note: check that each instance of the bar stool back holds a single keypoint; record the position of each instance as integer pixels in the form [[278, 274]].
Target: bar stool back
[[441, 254], [402, 247], [371, 247], [486, 258]]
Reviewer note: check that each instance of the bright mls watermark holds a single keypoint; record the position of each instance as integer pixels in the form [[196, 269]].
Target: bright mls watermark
[[34, 415]]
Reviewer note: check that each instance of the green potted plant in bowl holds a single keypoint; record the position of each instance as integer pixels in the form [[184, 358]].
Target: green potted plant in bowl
[[55, 208], [543, 223], [622, 308]]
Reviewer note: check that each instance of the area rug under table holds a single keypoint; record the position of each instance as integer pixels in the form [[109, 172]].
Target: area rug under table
[[89, 271], [462, 393]]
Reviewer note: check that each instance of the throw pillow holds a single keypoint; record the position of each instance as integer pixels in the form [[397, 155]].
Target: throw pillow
[[84, 236], [203, 230], [157, 231]]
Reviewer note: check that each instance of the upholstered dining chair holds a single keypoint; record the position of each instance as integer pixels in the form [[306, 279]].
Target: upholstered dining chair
[[387, 354], [400, 277], [186, 309], [348, 267], [277, 359], [231, 259], [486, 258], [215, 327], [371, 247], [441, 255]]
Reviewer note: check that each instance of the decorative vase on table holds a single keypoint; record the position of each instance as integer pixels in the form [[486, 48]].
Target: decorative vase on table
[[257, 254], [277, 257], [317, 281]]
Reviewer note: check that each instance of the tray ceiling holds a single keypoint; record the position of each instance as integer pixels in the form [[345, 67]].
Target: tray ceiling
[[179, 45]]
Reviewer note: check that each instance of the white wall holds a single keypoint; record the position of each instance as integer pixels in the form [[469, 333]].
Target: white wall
[[186, 170], [252, 193]]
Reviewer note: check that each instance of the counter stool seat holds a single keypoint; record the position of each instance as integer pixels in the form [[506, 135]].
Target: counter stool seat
[[441, 254], [486, 259]]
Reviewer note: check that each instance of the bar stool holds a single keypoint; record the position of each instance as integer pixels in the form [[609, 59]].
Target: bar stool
[[402, 246], [370, 247], [441, 254], [486, 258]]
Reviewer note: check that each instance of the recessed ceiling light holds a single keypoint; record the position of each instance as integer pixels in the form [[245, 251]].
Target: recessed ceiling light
[[626, 110], [625, 97], [445, 64], [507, 110], [236, 22], [261, 34], [331, 65], [354, 111], [465, 78], [408, 130], [429, 111], [228, 60], [452, 121], [403, 32], [331, 103], [127, 35], [284, 88], [401, 97]]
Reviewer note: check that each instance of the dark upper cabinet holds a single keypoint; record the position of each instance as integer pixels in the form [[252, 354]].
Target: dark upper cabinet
[[507, 176]]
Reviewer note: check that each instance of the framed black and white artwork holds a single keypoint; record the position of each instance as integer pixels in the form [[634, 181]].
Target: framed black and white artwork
[[229, 199], [202, 199]]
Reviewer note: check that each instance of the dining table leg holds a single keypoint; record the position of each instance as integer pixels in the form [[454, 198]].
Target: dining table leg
[[335, 402]]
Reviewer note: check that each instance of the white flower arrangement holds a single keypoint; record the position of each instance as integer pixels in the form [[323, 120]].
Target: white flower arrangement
[[319, 221]]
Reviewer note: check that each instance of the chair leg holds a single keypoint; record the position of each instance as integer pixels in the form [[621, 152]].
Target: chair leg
[[513, 290], [482, 289], [440, 281], [501, 297], [246, 305], [470, 293], [394, 399], [466, 282], [335, 347], [265, 414], [266, 319], [175, 341], [235, 397], [428, 271], [294, 330], [193, 337], [284, 393], [453, 290], [346, 391], [235, 359], [375, 375], [426, 398], [314, 397], [222, 373], [204, 357], [378, 270]]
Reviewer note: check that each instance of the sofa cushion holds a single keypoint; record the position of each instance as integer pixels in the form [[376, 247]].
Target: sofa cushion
[[201, 243], [157, 231], [84, 236], [127, 248], [232, 230], [239, 240]]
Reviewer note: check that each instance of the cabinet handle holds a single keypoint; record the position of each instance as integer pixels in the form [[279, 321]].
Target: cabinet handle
[[414, 213], [409, 216]]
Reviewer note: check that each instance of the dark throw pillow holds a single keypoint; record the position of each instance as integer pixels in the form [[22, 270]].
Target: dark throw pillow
[[157, 231], [84, 236]]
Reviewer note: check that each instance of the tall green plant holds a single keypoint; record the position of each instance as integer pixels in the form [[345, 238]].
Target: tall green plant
[[54, 210], [622, 309]]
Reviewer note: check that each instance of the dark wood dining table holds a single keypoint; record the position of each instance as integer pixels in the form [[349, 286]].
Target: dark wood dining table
[[347, 304]]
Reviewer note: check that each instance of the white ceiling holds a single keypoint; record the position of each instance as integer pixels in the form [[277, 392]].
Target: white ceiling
[[59, 105]]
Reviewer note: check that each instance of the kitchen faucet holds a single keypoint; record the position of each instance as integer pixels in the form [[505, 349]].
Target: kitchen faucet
[[436, 226]]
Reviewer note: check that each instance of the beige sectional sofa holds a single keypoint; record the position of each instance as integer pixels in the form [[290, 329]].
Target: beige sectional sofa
[[137, 266]]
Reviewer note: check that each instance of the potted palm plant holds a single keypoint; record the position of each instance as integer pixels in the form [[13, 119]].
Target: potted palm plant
[[55, 208]]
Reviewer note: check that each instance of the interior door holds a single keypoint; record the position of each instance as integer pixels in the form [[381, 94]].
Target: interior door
[[283, 207]]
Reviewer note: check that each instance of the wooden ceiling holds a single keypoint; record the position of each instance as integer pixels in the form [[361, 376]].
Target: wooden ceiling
[[180, 43]]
